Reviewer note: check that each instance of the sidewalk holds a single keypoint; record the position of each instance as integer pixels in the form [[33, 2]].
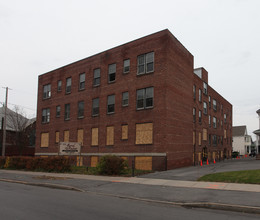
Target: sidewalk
[[224, 196]]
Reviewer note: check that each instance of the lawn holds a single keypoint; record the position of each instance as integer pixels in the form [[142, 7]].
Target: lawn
[[247, 176]]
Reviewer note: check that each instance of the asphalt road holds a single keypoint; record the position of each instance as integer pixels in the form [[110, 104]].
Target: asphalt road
[[30, 202], [193, 173]]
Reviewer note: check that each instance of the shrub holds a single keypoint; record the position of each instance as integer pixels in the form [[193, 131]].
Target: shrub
[[111, 165], [2, 162]]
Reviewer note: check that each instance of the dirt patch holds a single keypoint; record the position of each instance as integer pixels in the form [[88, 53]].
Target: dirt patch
[[50, 178]]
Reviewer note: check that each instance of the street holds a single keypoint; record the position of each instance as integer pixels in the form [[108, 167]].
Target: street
[[20, 201]]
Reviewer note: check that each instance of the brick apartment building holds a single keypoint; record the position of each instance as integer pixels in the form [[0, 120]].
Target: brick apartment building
[[135, 101]]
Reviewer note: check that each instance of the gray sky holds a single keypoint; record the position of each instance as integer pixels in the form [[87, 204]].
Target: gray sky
[[223, 36]]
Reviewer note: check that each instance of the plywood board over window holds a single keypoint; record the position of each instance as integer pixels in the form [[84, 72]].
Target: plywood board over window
[[199, 138], [124, 132], [44, 139], [93, 161], [225, 134], [66, 136], [143, 163], [205, 134], [144, 133], [194, 137], [80, 136], [110, 136], [57, 137], [94, 137]]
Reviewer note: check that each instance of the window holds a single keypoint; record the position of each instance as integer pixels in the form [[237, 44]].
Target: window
[[205, 108], [214, 140], [96, 80], [81, 109], [111, 104], [144, 98], [194, 114], [214, 122], [59, 86], [82, 81], [47, 91], [214, 104], [144, 133], [58, 111], [45, 115], [145, 63], [94, 137], [126, 66], [68, 85], [205, 134], [199, 116], [209, 102], [209, 139], [225, 118], [194, 92], [111, 72], [44, 139], [66, 136], [209, 120], [205, 88], [125, 98], [80, 136], [95, 107], [67, 112], [110, 136], [199, 95], [199, 138], [57, 137], [124, 132]]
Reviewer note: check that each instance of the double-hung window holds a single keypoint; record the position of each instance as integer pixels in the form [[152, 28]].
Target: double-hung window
[[111, 104], [58, 111], [199, 116], [126, 66], [67, 112], [111, 72], [145, 63], [199, 95], [95, 107], [214, 104], [96, 80], [125, 98], [45, 115], [81, 109], [68, 85], [214, 122], [205, 108], [194, 114], [82, 81], [59, 84], [144, 98], [46, 91], [205, 88]]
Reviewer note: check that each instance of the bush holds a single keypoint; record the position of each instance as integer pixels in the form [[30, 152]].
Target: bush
[[235, 154], [49, 164], [111, 165], [2, 162]]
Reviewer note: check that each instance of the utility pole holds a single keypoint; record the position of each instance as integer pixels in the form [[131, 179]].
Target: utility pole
[[4, 128]]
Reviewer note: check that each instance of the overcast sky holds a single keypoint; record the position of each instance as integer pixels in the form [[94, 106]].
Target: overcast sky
[[223, 36]]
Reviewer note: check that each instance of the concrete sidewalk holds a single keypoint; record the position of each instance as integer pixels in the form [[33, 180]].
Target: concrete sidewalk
[[224, 196]]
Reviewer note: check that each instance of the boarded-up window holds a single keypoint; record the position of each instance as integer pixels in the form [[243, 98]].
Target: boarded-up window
[[205, 134], [94, 135], [143, 163], [66, 136], [57, 137], [79, 161], [144, 133], [44, 139], [225, 134], [80, 136], [110, 136], [194, 137], [199, 138], [93, 161], [124, 132]]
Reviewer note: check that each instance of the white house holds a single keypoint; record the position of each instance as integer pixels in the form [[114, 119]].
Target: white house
[[257, 133], [241, 140]]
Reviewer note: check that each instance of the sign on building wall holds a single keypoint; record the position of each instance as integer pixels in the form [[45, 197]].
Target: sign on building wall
[[70, 148]]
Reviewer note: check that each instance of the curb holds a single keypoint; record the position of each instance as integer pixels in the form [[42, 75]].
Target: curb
[[49, 185], [204, 205]]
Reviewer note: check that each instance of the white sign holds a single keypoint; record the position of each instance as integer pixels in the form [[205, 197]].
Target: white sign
[[70, 148]]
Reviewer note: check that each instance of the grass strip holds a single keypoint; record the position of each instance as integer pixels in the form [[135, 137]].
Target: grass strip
[[246, 176]]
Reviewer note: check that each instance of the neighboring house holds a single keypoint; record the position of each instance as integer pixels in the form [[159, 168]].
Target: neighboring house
[[257, 133], [242, 142], [142, 101], [20, 134]]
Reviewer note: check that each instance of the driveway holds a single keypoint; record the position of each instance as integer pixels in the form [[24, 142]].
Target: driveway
[[193, 173]]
